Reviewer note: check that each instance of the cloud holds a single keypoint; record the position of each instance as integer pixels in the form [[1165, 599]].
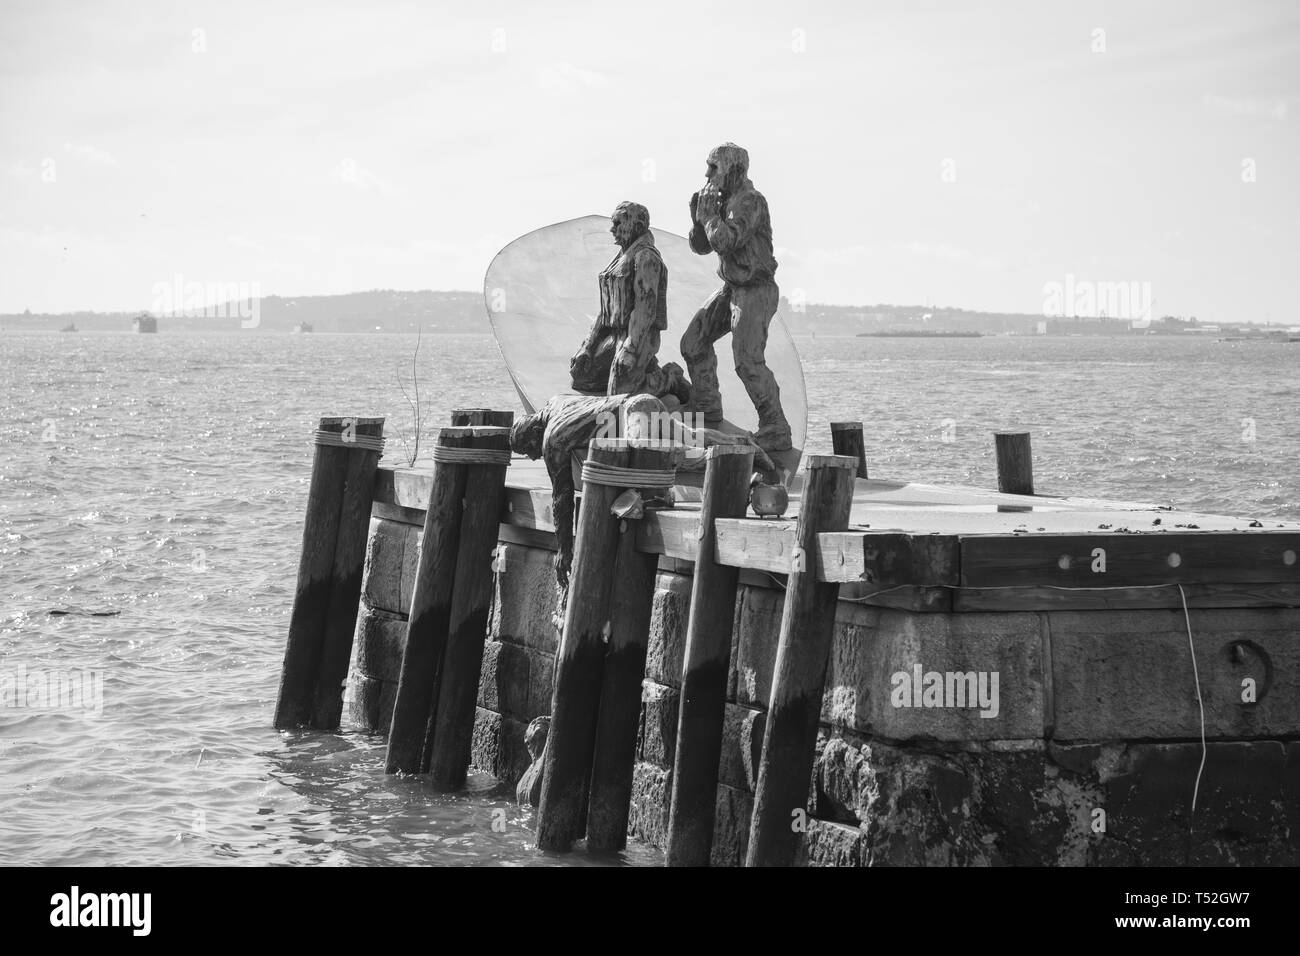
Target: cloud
[[855, 256], [564, 77], [461, 261], [946, 252], [244, 242], [46, 241], [1271, 108], [351, 173], [91, 155]]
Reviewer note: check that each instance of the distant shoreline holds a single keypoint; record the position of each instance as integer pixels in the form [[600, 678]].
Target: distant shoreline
[[921, 334], [802, 335]]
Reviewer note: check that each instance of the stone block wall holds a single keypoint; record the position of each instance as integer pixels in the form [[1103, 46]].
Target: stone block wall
[[392, 555], [518, 659], [1090, 756]]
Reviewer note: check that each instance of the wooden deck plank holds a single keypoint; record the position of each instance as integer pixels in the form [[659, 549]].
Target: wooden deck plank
[[674, 534], [884, 559], [1097, 560]]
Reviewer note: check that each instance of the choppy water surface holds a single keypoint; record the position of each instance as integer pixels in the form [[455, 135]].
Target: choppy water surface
[[164, 478]]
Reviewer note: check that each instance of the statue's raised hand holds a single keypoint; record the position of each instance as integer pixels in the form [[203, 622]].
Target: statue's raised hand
[[710, 201]]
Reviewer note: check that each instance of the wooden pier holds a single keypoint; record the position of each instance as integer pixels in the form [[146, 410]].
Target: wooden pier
[[949, 548], [1083, 609]]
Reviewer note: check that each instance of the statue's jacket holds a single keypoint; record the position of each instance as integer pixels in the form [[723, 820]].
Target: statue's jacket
[[637, 276]]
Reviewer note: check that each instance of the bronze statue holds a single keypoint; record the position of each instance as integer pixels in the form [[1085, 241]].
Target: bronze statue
[[730, 217], [620, 354], [564, 425], [528, 791], [567, 423]]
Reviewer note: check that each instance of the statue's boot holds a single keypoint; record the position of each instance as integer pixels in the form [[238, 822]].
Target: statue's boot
[[772, 437], [676, 384]]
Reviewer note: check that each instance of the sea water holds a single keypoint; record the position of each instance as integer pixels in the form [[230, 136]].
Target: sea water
[[159, 482]]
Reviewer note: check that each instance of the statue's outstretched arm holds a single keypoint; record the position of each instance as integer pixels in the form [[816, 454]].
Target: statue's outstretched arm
[[561, 473], [713, 436]]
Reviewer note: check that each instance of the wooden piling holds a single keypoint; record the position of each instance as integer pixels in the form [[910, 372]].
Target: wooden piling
[[727, 473], [1015, 463], [482, 416], [799, 675], [631, 603], [566, 764], [846, 439], [429, 621], [449, 755], [328, 590]]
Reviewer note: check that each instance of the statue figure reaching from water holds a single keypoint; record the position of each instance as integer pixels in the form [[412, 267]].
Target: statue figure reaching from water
[[620, 354], [730, 217], [566, 424]]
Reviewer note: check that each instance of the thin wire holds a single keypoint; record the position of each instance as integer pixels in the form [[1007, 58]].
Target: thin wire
[[1199, 703]]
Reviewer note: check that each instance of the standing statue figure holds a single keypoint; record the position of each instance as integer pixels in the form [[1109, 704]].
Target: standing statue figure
[[620, 354], [729, 216]]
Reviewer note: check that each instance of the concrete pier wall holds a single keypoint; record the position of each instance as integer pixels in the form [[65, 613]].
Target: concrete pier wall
[[1087, 754]]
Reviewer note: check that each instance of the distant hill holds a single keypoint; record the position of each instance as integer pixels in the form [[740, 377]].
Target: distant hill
[[857, 319], [381, 310], [390, 310]]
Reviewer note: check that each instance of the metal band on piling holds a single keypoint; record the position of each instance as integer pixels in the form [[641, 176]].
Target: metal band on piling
[[618, 476], [363, 442], [471, 456]]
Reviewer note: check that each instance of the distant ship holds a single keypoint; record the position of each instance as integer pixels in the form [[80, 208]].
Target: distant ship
[[303, 327], [70, 327], [921, 334], [144, 322]]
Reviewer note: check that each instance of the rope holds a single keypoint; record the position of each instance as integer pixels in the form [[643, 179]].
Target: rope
[[364, 442], [471, 456], [616, 476]]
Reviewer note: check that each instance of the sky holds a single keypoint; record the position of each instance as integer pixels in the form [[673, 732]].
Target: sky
[[953, 154]]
